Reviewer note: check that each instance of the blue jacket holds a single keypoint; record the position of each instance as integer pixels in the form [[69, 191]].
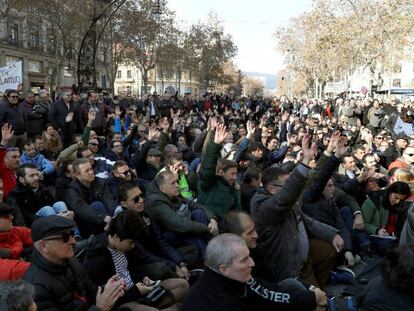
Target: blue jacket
[[41, 163]]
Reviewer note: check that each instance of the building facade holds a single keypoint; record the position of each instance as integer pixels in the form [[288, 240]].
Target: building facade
[[44, 65], [129, 82]]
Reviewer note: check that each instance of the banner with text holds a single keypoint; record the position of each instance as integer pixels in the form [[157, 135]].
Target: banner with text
[[11, 76]]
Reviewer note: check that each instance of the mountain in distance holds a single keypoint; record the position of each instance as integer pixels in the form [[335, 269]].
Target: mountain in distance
[[268, 79]]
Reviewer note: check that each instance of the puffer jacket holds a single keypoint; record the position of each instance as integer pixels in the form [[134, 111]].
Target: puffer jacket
[[61, 287]]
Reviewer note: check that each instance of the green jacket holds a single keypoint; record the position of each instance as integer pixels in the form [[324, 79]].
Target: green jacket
[[375, 217], [214, 192]]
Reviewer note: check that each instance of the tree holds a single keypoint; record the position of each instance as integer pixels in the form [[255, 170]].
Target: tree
[[211, 48], [252, 87]]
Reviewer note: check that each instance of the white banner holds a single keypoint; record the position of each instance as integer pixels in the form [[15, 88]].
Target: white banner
[[11, 76]]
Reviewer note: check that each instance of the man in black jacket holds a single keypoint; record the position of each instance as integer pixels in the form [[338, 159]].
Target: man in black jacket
[[59, 280], [33, 199], [12, 112], [89, 197], [222, 286]]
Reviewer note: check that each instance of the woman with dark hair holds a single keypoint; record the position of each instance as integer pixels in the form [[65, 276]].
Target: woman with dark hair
[[380, 210], [394, 289]]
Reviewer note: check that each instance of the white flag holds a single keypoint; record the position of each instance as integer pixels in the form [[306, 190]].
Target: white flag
[[11, 76]]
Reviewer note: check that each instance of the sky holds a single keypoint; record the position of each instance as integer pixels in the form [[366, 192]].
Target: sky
[[252, 25]]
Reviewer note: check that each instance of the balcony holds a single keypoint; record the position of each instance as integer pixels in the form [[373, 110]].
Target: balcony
[[15, 42]]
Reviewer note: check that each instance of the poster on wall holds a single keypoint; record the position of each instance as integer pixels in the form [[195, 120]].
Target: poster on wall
[[11, 76]]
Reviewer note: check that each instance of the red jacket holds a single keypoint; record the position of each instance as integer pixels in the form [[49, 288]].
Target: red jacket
[[15, 240], [8, 177], [11, 270]]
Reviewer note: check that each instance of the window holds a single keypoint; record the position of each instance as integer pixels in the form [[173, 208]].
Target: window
[[35, 66], [129, 74], [396, 82], [119, 76], [11, 59], [103, 79], [34, 38], [14, 33], [397, 68]]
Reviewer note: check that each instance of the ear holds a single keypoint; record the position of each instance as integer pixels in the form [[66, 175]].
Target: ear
[[223, 270], [123, 203], [21, 179]]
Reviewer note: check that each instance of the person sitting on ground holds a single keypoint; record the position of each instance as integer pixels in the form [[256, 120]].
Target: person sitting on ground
[[296, 294], [160, 259], [14, 241], [120, 174], [30, 155], [180, 219], [394, 288], [89, 197], [218, 192], [59, 280], [33, 199], [112, 253], [277, 214], [319, 200], [101, 166]]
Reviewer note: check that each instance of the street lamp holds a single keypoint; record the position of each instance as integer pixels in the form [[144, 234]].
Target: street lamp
[[156, 14]]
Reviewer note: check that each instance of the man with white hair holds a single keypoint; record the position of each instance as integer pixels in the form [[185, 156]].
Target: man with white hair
[[223, 283]]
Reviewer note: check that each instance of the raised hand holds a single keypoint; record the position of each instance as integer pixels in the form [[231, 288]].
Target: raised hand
[[69, 117], [250, 129], [308, 152], [285, 117], [153, 132], [221, 133], [341, 147], [6, 134], [165, 125], [91, 115], [336, 136]]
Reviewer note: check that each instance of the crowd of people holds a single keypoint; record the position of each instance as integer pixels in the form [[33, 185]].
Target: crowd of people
[[211, 202]]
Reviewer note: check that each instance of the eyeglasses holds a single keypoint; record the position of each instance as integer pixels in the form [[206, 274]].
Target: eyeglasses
[[14, 96], [138, 197], [65, 237]]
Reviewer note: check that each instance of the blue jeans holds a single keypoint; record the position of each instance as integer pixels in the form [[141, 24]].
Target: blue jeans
[[200, 242], [52, 210], [55, 209]]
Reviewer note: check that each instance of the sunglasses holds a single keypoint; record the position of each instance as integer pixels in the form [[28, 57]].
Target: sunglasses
[[14, 96], [138, 197], [65, 237]]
